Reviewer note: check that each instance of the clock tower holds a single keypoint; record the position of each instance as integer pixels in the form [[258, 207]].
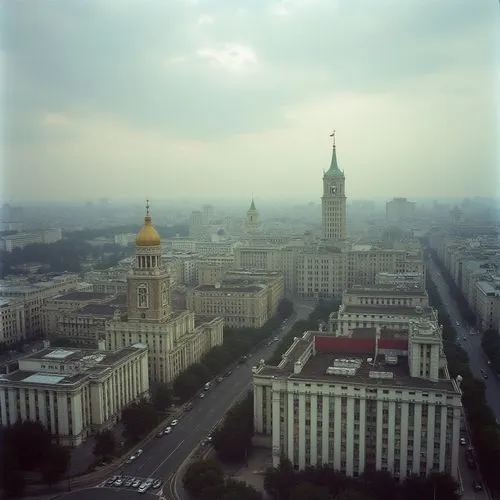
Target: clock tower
[[333, 201], [148, 283]]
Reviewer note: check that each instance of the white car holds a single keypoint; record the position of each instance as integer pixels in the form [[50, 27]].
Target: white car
[[462, 441], [174, 422], [167, 430], [138, 453]]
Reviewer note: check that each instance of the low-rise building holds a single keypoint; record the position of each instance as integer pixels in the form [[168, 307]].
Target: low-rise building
[[74, 393], [381, 401]]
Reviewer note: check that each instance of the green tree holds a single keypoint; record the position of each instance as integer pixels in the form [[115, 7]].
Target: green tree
[[186, 385], [310, 491], [138, 419], [55, 465], [234, 437], [285, 308], [238, 490], [280, 481], [202, 476], [353, 495], [105, 444], [161, 396], [29, 441], [444, 486]]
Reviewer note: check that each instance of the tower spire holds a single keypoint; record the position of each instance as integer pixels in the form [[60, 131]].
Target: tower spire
[[332, 135], [147, 208]]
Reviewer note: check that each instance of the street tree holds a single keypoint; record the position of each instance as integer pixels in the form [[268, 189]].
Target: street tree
[[285, 308], [55, 465], [353, 495], [105, 444], [310, 491], [202, 476], [161, 396], [138, 419], [238, 490]]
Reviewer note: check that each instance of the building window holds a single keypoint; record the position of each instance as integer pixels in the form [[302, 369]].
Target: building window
[[142, 296]]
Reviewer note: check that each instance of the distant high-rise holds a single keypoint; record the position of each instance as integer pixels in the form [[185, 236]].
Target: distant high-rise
[[333, 201], [252, 223]]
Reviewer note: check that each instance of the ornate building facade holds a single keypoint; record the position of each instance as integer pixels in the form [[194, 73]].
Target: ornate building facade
[[176, 339]]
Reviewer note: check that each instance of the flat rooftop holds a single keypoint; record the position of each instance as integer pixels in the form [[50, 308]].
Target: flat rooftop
[[231, 288], [316, 366], [387, 290], [386, 310], [82, 363], [83, 296]]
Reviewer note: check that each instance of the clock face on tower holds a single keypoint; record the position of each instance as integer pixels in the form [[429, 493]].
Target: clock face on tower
[[333, 189]]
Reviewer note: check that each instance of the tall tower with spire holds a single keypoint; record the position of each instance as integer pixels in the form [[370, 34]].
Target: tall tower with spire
[[252, 223], [333, 201], [148, 282]]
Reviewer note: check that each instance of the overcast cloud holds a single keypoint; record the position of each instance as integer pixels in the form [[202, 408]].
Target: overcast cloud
[[130, 98]]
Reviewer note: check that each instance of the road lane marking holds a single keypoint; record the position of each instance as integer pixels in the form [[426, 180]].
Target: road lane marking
[[167, 457]]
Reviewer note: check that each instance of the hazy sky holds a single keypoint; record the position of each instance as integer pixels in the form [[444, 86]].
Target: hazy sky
[[169, 98]]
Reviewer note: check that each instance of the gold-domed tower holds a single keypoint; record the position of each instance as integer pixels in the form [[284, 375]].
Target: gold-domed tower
[[148, 282], [148, 236]]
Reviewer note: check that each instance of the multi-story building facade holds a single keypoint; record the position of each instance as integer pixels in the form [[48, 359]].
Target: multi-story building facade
[[12, 321], [324, 269], [241, 302], [375, 401], [174, 339], [382, 307], [34, 295], [20, 240], [74, 393]]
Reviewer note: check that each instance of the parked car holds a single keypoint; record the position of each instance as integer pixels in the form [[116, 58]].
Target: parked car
[[156, 484], [477, 485], [167, 430], [111, 480], [174, 422], [462, 441]]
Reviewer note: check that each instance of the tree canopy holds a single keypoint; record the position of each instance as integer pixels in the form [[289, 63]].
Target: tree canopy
[[139, 419], [105, 444], [161, 396], [204, 480], [233, 438], [27, 447], [324, 483]]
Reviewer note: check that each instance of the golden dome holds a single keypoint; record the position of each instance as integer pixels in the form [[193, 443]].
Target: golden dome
[[148, 236]]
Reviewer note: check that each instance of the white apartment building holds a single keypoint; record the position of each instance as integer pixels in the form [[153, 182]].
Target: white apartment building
[[488, 305], [382, 307], [376, 401], [34, 295], [242, 303], [12, 321], [20, 240], [74, 393]]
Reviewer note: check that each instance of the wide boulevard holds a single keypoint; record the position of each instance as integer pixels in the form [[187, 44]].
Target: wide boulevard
[[163, 456], [477, 360]]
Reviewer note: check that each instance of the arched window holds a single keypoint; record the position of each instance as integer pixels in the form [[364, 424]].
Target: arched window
[[142, 296]]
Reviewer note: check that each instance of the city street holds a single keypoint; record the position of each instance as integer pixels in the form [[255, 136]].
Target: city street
[[477, 361], [163, 456]]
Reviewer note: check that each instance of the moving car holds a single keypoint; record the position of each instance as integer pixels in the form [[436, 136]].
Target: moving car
[[462, 441], [118, 482], [156, 484], [136, 483], [477, 485], [146, 485], [111, 480]]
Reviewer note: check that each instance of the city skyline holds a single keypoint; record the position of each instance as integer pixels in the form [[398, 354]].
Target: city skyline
[[188, 98]]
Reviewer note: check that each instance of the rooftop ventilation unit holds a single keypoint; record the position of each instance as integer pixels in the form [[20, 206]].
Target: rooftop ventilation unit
[[383, 375]]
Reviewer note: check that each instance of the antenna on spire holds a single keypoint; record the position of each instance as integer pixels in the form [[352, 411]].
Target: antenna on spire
[[332, 135], [147, 207]]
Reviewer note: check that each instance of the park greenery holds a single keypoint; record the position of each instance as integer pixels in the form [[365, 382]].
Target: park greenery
[[485, 433], [74, 249], [325, 483], [204, 480], [29, 455], [237, 343]]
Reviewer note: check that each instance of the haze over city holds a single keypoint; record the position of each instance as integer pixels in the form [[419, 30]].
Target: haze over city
[[229, 99]]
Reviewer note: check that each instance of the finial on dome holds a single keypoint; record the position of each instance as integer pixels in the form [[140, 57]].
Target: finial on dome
[[332, 135], [147, 207]]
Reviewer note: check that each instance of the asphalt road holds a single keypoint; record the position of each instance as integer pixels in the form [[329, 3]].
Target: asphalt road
[[469, 342], [163, 456], [477, 361]]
